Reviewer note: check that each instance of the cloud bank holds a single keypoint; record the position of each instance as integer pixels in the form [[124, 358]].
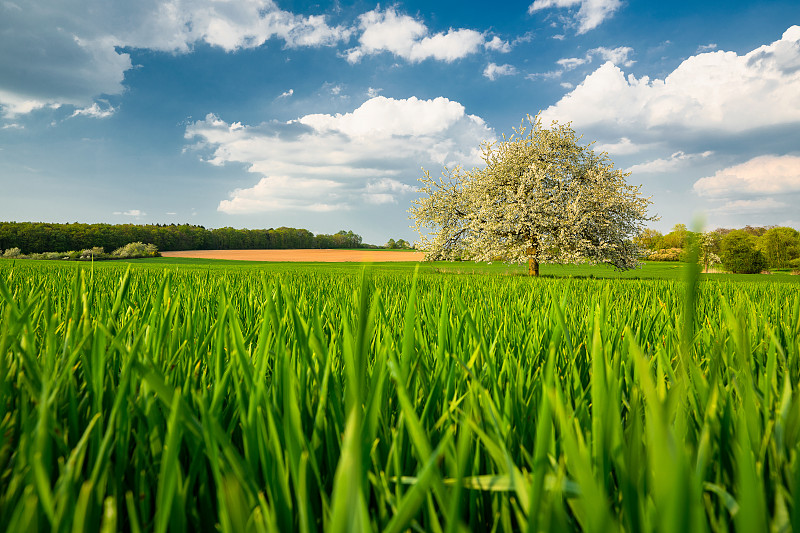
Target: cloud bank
[[751, 187], [717, 90], [322, 162], [766, 174], [69, 53]]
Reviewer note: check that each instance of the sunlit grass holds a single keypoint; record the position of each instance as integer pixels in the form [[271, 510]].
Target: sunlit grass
[[233, 398]]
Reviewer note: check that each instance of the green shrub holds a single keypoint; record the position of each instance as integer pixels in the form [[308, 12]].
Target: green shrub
[[93, 253], [136, 249], [12, 253], [740, 254]]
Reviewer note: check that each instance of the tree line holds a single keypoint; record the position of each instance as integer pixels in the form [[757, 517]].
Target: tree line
[[39, 237], [747, 250]]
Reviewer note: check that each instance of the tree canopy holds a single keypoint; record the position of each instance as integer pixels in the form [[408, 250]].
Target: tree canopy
[[541, 197], [740, 253]]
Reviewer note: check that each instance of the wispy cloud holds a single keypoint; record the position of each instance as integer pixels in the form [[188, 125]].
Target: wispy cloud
[[617, 56], [589, 15], [135, 213], [675, 161], [94, 111], [569, 63], [761, 205], [494, 71], [622, 147]]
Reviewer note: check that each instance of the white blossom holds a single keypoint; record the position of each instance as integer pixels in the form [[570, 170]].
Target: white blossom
[[541, 198]]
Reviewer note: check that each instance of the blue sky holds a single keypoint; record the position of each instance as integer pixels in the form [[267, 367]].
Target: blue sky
[[257, 114]]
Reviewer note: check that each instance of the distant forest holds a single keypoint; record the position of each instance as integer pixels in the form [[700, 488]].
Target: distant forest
[[38, 237]]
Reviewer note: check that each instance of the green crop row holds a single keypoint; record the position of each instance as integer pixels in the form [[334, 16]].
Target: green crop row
[[148, 399]]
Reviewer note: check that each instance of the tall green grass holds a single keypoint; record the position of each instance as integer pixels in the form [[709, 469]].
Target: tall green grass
[[234, 400]]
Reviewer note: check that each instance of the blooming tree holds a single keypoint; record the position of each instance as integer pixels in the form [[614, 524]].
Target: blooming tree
[[707, 248], [541, 198]]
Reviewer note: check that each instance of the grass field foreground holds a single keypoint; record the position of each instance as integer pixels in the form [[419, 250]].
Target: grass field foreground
[[152, 398]]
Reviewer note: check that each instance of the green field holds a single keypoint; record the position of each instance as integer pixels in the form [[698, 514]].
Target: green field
[[648, 270], [190, 395]]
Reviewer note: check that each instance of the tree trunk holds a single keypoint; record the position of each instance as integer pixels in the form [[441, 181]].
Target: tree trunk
[[533, 263]]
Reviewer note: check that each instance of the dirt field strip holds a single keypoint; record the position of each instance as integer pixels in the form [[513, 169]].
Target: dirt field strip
[[322, 256]]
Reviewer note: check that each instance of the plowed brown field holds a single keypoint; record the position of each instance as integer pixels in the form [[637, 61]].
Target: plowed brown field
[[323, 256]]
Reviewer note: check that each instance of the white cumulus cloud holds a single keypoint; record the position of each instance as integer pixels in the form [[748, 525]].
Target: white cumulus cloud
[[498, 45], [589, 15], [273, 193], [326, 162], [710, 91], [766, 174], [409, 38]]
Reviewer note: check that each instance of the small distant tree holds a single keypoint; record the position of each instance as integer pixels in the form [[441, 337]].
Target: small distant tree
[[740, 254], [677, 238], [391, 244], [708, 246], [93, 253], [649, 239], [542, 198]]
